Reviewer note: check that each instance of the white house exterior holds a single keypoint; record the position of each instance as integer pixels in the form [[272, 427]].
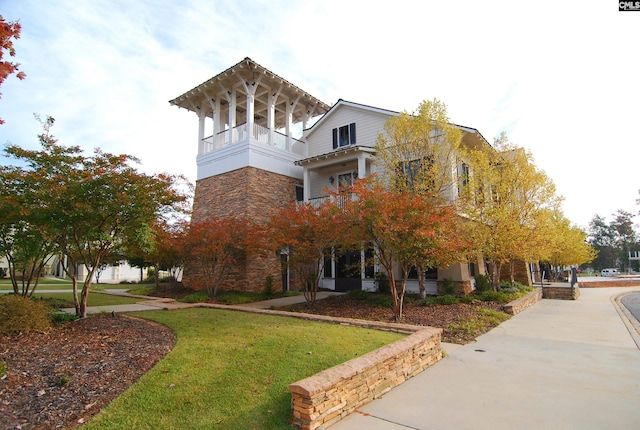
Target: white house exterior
[[340, 148], [250, 163]]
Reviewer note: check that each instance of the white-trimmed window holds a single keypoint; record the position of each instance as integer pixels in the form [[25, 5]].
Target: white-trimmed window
[[344, 136]]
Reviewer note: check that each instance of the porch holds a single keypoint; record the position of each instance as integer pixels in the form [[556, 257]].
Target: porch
[[256, 133]]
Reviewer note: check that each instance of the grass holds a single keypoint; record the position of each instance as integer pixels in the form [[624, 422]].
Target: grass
[[65, 300], [60, 284], [231, 370]]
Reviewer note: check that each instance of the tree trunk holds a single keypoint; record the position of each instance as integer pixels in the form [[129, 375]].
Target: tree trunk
[[422, 281]]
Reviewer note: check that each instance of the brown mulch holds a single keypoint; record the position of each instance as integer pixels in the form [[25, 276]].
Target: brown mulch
[[63, 377], [413, 313]]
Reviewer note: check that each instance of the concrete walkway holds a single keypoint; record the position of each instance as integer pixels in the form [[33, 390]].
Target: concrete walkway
[[558, 365]]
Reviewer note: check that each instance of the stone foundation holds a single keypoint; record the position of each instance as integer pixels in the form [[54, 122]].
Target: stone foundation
[[462, 288]]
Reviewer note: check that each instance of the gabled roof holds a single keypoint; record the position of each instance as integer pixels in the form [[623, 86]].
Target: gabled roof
[[248, 72]]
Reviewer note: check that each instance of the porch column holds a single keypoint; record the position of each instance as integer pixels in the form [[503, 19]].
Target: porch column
[[251, 98], [216, 121], [232, 114], [289, 120], [306, 183], [362, 166], [201, 117], [271, 113]]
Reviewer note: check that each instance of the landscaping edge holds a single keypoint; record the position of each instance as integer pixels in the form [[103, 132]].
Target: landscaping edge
[[524, 302]]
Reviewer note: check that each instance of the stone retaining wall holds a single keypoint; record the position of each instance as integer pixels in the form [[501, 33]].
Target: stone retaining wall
[[559, 292], [523, 302], [328, 396]]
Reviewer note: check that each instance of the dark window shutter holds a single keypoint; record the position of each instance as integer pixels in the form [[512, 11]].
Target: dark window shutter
[[352, 133], [335, 138]]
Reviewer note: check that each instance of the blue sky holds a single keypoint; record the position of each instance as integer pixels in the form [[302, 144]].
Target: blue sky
[[561, 78]]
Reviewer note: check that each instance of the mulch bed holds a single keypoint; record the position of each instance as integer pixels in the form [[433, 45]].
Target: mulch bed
[[413, 313], [61, 378]]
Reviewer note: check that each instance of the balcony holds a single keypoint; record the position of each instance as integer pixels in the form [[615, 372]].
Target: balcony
[[259, 134]]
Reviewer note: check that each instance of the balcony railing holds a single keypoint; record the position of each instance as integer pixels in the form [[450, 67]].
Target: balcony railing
[[259, 133], [341, 200]]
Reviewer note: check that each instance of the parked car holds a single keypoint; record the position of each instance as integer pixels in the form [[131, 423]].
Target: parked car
[[610, 272]]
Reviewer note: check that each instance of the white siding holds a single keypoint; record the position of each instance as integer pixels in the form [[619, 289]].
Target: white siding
[[368, 125]]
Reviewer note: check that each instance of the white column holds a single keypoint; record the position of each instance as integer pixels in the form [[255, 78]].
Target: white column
[[251, 91], [201, 118], [362, 166], [217, 127], [271, 115], [232, 115], [289, 120], [306, 183]]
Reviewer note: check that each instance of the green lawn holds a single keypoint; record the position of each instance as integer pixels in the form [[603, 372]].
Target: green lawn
[[231, 370], [65, 300], [61, 284]]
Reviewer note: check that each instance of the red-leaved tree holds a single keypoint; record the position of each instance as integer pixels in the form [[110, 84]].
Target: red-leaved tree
[[216, 245], [405, 230], [8, 31], [308, 233]]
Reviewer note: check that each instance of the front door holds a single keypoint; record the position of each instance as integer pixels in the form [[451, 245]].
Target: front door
[[348, 271]]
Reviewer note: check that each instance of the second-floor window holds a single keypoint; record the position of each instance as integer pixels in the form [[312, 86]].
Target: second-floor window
[[344, 136]]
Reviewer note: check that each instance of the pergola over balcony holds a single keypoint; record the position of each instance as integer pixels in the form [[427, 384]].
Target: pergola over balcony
[[249, 102]]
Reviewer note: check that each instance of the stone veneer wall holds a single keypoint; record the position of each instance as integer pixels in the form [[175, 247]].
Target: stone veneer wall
[[524, 302], [561, 292], [246, 192], [521, 273], [326, 397]]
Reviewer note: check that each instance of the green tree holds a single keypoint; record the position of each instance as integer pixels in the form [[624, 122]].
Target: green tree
[[86, 208]]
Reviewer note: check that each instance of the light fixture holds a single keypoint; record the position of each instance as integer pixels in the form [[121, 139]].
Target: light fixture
[[331, 179]]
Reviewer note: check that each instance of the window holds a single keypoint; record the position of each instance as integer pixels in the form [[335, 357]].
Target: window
[[344, 136], [463, 178], [346, 180], [415, 172]]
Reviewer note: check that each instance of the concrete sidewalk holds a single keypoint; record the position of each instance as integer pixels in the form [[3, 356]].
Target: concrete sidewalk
[[558, 365]]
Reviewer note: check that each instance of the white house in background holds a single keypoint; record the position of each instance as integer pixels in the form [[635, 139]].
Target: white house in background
[[339, 149]]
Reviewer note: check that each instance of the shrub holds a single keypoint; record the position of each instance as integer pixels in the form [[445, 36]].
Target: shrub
[[381, 300], [483, 283], [358, 294], [382, 282], [197, 297], [268, 286], [18, 314], [62, 317], [449, 287], [495, 296], [447, 299]]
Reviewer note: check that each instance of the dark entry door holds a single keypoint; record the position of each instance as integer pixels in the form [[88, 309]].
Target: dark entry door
[[348, 271]]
